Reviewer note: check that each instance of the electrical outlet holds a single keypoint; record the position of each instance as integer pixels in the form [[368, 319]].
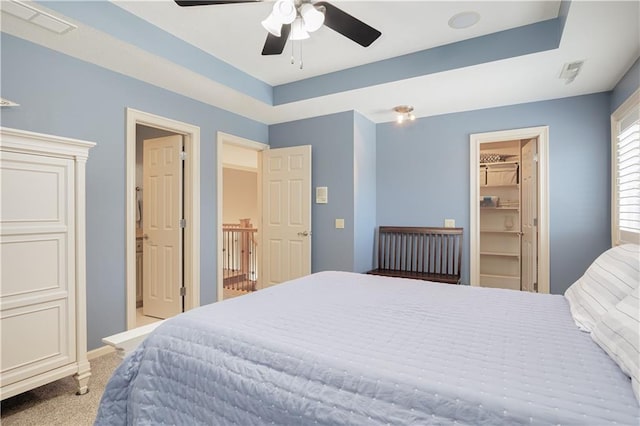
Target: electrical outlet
[[449, 223]]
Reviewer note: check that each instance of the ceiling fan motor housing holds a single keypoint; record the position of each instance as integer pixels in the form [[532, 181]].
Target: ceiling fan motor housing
[[313, 15]]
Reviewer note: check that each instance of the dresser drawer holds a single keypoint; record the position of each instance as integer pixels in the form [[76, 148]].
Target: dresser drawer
[[138, 245], [49, 342]]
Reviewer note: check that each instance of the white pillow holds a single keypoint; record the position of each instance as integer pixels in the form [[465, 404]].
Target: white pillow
[[619, 335], [609, 279]]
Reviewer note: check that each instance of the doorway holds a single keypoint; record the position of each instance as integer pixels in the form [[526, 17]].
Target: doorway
[[239, 215], [154, 127], [284, 201], [151, 302], [509, 210]]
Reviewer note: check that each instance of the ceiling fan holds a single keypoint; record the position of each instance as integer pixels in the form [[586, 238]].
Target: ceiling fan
[[295, 19]]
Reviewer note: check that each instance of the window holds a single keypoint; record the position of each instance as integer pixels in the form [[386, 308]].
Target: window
[[625, 168]]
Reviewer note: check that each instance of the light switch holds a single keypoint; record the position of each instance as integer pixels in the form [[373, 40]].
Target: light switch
[[339, 223], [449, 223], [322, 195]]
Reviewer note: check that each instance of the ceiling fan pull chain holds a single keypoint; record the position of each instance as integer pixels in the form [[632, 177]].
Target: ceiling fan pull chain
[[293, 60], [301, 63]]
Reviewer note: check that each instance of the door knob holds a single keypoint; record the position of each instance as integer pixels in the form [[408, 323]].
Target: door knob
[[303, 234], [145, 237]]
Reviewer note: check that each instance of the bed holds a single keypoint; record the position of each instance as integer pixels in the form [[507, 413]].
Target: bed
[[353, 349]]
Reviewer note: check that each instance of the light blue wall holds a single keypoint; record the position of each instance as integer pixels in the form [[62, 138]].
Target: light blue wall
[[364, 183], [420, 176], [113, 20], [423, 174], [626, 86], [344, 160], [63, 96], [331, 138]]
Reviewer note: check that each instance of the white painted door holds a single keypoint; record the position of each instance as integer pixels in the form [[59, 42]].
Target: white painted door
[[162, 233], [529, 206], [286, 214]]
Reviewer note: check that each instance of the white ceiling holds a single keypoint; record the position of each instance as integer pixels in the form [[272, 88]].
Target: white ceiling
[[604, 34], [415, 26]]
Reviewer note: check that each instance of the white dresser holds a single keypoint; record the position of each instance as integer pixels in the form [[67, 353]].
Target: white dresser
[[42, 288]]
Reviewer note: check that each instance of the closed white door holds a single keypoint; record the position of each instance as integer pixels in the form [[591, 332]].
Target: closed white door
[[286, 213], [162, 233], [529, 217]]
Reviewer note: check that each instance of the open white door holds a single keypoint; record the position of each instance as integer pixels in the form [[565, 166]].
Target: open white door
[[162, 233], [286, 192], [529, 216]]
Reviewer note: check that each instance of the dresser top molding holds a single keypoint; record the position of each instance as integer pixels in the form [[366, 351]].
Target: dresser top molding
[[37, 143]]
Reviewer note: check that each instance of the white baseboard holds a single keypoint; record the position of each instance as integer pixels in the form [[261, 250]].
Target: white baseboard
[[98, 352]]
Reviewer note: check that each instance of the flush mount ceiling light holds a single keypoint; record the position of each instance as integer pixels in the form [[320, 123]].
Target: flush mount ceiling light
[[31, 14], [464, 20], [404, 113]]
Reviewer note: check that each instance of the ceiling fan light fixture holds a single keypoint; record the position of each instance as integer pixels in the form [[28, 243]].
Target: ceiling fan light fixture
[[298, 32], [312, 17], [272, 24], [285, 11]]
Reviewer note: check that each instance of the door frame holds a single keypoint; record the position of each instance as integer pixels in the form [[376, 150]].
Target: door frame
[[542, 134], [229, 139], [191, 249]]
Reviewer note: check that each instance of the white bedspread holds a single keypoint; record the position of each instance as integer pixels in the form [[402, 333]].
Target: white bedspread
[[341, 348]]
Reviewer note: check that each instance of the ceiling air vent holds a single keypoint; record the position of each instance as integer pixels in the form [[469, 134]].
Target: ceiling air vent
[[36, 16], [570, 71]]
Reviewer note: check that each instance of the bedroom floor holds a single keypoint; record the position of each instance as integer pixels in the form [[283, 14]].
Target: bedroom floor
[[56, 404], [142, 319]]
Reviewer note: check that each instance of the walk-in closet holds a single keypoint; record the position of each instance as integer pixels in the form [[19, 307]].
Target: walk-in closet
[[508, 214]]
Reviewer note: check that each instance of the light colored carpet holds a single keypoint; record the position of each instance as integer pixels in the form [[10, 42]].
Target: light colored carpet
[[57, 404]]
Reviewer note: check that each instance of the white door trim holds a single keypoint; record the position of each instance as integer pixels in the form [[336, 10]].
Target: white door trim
[[542, 133], [191, 135], [222, 139]]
